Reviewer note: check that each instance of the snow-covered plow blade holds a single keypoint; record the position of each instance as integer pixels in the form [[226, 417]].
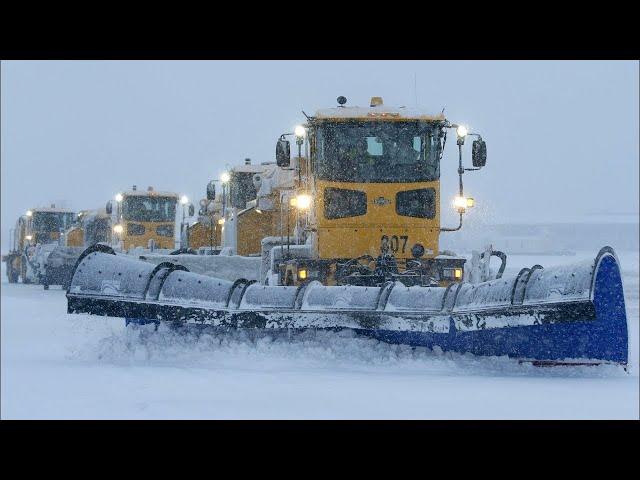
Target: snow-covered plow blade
[[560, 315], [59, 266]]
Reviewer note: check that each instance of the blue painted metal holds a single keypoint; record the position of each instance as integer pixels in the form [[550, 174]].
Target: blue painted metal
[[563, 314], [603, 339]]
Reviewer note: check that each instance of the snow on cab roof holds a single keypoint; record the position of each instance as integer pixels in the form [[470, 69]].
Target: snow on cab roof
[[250, 168], [148, 193], [52, 210], [377, 112], [95, 213]]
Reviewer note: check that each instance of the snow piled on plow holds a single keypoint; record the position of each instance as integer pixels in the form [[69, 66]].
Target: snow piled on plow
[[56, 365]]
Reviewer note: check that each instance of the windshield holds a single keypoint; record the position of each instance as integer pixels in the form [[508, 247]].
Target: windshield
[[52, 221], [378, 152], [97, 230], [149, 209]]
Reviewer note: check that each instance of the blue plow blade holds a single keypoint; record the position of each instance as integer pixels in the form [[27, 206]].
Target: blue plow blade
[[561, 315]]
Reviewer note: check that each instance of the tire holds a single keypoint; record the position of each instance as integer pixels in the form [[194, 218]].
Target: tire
[[13, 275], [23, 273]]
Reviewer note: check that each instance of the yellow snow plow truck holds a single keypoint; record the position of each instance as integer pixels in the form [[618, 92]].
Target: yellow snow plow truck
[[36, 234], [144, 219], [359, 204]]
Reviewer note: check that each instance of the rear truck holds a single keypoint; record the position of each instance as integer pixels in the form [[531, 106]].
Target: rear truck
[[37, 235]]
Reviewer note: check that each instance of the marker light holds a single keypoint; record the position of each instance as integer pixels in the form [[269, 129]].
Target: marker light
[[462, 131], [119, 197], [225, 177], [184, 200], [299, 131], [460, 203], [470, 202], [29, 213], [221, 221], [457, 273], [301, 202], [118, 228], [302, 274]]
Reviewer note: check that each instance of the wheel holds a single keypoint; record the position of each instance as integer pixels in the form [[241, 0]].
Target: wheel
[[23, 273], [46, 286], [13, 275]]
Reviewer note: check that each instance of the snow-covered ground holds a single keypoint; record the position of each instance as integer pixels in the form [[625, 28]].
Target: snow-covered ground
[[56, 365]]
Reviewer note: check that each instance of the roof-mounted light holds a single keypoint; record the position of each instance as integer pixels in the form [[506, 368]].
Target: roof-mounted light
[[299, 131]]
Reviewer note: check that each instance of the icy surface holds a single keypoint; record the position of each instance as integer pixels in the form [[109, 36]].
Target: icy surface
[[56, 365]]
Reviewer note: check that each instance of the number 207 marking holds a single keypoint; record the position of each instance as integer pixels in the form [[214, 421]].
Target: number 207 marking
[[394, 242]]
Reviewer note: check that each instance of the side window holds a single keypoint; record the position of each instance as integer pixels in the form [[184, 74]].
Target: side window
[[374, 146], [419, 203], [342, 203], [417, 144]]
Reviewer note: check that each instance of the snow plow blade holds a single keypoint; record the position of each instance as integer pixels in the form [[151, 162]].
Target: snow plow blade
[[59, 266], [561, 315]]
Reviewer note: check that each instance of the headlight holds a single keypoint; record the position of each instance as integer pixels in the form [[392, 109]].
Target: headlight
[[460, 203], [299, 131], [301, 202], [28, 237], [118, 228], [221, 221], [452, 273]]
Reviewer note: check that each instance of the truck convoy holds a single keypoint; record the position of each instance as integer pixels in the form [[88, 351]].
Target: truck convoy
[[46, 243], [345, 234]]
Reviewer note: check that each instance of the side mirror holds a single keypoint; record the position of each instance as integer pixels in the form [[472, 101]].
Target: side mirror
[[211, 190], [283, 153], [479, 153], [192, 210], [109, 207]]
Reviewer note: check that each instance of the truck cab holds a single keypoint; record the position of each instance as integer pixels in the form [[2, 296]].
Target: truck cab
[[144, 219], [37, 228]]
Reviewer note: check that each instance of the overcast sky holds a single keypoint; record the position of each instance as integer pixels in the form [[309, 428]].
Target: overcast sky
[[562, 137]]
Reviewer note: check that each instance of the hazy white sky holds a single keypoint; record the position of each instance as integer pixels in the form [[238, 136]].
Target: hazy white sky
[[562, 137]]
